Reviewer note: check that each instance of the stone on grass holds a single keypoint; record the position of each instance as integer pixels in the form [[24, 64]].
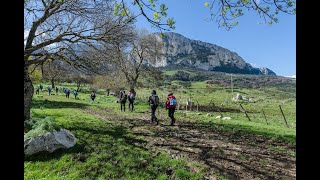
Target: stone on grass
[[218, 117], [209, 114], [49, 142], [226, 118]]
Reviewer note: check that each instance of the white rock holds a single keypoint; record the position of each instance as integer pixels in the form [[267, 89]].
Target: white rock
[[226, 118], [209, 114], [218, 117], [49, 142]]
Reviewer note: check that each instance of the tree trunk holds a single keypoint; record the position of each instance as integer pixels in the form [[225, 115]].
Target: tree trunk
[[52, 83], [28, 93]]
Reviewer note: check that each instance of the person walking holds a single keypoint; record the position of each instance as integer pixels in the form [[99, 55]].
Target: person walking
[[154, 103], [67, 93], [75, 93], [123, 100], [93, 96], [57, 90], [49, 90], [171, 104], [37, 90], [41, 87], [131, 98]]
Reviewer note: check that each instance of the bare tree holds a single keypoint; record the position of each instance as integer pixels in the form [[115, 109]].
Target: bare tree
[[54, 29], [135, 56], [53, 71]]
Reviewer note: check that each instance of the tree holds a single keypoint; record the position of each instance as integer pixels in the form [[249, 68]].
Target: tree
[[133, 57], [224, 12], [53, 70], [54, 29]]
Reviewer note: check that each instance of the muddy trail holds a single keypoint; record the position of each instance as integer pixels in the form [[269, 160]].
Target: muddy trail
[[233, 155]]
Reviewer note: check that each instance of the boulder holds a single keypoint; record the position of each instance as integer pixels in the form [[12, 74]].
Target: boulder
[[218, 117], [237, 98], [49, 142], [209, 114], [226, 118]]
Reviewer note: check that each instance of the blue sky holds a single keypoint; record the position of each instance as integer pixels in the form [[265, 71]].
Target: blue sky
[[258, 44]]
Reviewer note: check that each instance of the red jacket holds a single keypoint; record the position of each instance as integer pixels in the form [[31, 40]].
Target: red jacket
[[168, 102]]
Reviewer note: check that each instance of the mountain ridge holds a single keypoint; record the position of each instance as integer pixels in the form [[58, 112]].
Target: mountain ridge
[[180, 50]]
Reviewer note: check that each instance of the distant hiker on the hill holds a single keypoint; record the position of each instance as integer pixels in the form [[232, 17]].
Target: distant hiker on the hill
[[154, 103], [57, 90], [123, 100], [41, 87], [49, 90], [171, 104], [131, 98], [93, 96], [75, 93], [67, 93], [37, 90]]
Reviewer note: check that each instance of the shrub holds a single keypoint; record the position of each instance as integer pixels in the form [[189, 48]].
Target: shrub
[[40, 127]]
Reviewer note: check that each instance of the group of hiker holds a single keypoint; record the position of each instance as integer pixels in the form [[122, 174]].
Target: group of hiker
[[65, 90], [123, 99], [153, 101]]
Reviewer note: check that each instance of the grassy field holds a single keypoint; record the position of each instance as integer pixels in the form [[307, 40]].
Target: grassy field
[[103, 150], [106, 150]]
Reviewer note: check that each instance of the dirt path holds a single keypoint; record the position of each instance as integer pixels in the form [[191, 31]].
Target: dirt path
[[234, 155]]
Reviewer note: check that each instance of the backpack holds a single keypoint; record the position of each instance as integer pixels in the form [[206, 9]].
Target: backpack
[[172, 101], [155, 100], [124, 98], [131, 96]]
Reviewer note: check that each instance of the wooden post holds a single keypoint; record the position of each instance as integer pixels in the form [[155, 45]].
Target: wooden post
[[283, 116], [197, 106], [265, 116], [245, 112]]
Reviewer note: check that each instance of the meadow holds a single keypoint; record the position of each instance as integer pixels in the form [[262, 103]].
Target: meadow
[[123, 145]]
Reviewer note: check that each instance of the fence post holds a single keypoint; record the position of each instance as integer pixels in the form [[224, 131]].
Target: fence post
[[283, 116], [245, 112], [197, 106], [265, 116]]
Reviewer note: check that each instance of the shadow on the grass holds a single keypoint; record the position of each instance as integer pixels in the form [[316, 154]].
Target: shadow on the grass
[[56, 104]]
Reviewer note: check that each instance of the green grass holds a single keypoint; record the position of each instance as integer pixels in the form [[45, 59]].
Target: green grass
[[106, 151], [103, 150]]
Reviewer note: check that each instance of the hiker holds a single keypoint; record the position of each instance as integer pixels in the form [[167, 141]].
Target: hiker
[[123, 100], [75, 93], [41, 87], [93, 96], [131, 98], [57, 90], [49, 90], [37, 90], [171, 104], [67, 93], [154, 103]]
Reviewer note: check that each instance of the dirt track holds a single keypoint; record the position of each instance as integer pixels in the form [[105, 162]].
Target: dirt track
[[234, 155]]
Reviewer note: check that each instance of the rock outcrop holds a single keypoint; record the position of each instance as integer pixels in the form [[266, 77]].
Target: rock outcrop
[[179, 50], [49, 142]]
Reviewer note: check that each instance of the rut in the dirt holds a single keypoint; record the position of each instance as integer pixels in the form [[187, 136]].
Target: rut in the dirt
[[233, 155]]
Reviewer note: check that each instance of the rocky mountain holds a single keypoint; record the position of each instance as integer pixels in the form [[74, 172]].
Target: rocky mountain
[[181, 51]]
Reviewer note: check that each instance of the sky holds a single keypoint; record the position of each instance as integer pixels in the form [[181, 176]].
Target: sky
[[261, 45]]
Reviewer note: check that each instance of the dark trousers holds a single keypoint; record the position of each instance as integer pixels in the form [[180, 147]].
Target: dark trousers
[[171, 115], [153, 114], [124, 106], [131, 103], [37, 92]]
